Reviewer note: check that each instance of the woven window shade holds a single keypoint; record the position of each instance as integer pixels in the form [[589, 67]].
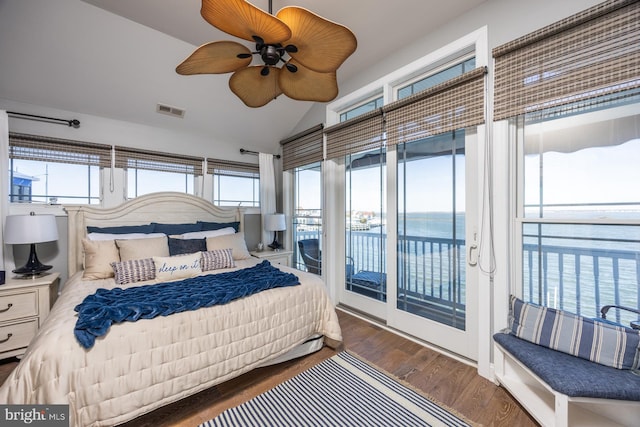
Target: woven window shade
[[157, 161], [588, 55], [302, 149], [231, 168], [455, 104], [46, 149], [361, 133]]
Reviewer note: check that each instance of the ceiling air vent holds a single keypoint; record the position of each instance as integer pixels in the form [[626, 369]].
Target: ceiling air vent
[[172, 111]]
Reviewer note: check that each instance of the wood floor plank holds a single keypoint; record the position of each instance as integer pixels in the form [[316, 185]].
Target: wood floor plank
[[446, 380]]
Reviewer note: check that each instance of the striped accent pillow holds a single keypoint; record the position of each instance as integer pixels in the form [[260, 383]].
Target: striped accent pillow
[[217, 259], [590, 339], [134, 270]]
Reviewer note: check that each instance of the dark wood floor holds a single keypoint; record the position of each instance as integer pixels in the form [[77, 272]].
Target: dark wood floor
[[450, 382]]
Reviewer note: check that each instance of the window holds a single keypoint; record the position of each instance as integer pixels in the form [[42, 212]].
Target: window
[[52, 170], [437, 78], [579, 217], [575, 111], [142, 181], [150, 172], [307, 216], [362, 109], [234, 183], [302, 157], [358, 143]]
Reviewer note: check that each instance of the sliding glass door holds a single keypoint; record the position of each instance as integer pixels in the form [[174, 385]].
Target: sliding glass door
[[435, 291], [365, 224], [431, 223]]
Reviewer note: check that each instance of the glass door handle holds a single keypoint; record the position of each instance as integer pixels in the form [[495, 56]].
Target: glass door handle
[[470, 259]]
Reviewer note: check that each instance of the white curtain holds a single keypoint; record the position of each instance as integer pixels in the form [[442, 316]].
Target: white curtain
[[267, 193], [6, 251]]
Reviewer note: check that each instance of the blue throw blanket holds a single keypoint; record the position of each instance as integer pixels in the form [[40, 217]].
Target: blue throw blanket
[[99, 311]]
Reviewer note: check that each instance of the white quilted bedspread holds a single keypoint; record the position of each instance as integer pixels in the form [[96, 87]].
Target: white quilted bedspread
[[139, 366]]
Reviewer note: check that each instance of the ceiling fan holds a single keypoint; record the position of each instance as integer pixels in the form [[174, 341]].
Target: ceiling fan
[[310, 47]]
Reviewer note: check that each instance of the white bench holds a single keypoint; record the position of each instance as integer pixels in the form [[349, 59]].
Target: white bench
[[562, 390]]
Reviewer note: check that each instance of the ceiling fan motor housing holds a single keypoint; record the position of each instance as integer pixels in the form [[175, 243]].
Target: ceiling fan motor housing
[[271, 54]]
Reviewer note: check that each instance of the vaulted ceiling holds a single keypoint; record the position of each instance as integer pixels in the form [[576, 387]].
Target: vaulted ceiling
[[117, 59]]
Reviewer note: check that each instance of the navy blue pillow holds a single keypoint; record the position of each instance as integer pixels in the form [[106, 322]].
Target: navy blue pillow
[[122, 229], [218, 225], [186, 246], [175, 228]]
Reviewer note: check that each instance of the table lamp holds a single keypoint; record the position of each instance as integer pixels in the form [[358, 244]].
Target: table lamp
[[29, 230], [275, 222]]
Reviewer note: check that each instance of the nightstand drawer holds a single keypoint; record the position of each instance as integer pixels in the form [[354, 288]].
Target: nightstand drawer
[[281, 260], [18, 305], [17, 335]]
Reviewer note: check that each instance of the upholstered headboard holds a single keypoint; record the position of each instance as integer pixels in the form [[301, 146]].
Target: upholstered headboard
[[166, 207]]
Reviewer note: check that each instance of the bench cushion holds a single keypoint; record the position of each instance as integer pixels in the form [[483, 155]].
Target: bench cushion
[[590, 339], [570, 375]]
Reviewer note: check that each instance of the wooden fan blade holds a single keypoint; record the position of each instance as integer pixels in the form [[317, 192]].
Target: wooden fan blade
[[244, 20], [308, 85], [322, 45], [215, 58], [254, 89]]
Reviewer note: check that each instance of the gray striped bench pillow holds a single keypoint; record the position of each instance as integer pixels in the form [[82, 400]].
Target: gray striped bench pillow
[[591, 339]]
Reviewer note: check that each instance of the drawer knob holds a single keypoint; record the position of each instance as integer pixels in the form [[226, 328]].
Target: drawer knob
[[6, 339], [6, 309]]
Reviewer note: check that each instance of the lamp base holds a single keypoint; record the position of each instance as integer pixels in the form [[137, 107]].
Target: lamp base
[[27, 273], [33, 267], [275, 245]]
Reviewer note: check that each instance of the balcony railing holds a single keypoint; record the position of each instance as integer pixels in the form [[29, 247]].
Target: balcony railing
[[580, 280]]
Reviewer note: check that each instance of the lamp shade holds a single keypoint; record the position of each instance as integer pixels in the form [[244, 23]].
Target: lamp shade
[[275, 222], [26, 229]]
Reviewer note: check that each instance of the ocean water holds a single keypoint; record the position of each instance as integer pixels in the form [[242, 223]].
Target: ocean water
[[576, 267]]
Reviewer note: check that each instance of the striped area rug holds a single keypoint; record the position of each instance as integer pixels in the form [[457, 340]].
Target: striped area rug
[[341, 391]]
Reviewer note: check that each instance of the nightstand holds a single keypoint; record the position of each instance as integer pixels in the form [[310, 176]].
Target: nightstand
[[275, 257], [24, 304]]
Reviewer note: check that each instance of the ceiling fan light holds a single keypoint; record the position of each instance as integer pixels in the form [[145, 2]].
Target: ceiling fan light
[[270, 54]]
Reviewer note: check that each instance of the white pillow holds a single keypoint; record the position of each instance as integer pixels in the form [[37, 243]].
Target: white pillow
[[177, 267], [127, 236], [207, 233], [143, 248], [233, 241]]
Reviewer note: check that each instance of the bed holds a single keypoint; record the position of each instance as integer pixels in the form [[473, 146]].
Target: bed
[[139, 366]]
